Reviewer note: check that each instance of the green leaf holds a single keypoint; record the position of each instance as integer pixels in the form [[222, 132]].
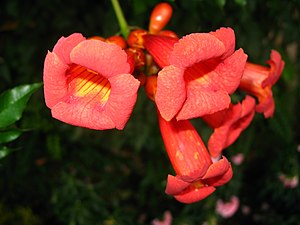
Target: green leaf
[[13, 103], [9, 135], [4, 151]]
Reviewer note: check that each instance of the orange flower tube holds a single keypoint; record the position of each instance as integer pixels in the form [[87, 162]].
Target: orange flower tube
[[196, 174]]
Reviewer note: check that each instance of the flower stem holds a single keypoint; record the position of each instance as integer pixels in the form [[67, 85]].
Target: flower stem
[[121, 19]]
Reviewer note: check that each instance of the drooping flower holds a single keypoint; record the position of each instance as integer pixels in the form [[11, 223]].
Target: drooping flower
[[227, 209], [228, 125], [198, 72], [196, 174], [258, 80], [88, 83]]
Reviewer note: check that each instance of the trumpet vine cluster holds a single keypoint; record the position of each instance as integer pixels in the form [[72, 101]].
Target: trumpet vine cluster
[[93, 82]]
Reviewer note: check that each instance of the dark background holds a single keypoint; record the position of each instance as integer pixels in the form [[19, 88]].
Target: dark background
[[60, 174]]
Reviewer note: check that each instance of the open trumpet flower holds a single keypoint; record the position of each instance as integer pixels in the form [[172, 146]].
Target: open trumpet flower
[[198, 72], [88, 83], [196, 174], [258, 80]]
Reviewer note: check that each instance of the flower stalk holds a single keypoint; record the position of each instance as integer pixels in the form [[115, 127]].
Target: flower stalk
[[121, 19]]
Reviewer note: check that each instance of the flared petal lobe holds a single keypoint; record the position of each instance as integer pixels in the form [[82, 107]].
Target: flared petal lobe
[[258, 80], [87, 82], [228, 125]]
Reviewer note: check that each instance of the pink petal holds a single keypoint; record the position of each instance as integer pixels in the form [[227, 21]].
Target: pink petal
[[171, 91], [160, 48], [175, 185], [227, 75], [266, 103], [104, 58], [200, 102], [247, 114], [194, 48], [167, 220], [193, 194], [228, 209], [124, 89], [55, 86], [226, 35], [221, 180], [217, 168], [277, 66], [84, 112], [64, 46], [218, 139], [238, 118]]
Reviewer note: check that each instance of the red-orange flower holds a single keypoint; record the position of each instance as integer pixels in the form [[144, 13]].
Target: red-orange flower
[[228, 125], [88, 83], [197, 176], [198, 72], [258, 80]]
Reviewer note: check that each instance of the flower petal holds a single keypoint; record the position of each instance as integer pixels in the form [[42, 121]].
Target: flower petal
[[171, 91], [226, 35], [124, 89], [160, 48], [228, 73], [277, 66], [217, 169], [64, 46], [105, 58], [200, 102], [84, 112], [194, 48], [54, 79], [266, 103], [193, 194], [221, 180], [175, 185]]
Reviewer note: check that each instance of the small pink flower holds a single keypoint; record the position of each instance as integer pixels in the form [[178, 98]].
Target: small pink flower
[[238, 159], [289, 182], [88, 83], [167, 220], [227, 209]]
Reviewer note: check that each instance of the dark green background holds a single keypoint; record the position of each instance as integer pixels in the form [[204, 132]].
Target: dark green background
[[59, 174]]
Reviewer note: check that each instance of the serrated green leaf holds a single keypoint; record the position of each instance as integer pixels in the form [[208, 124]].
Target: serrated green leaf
[[4, 151], [9, 135], [13, 103]]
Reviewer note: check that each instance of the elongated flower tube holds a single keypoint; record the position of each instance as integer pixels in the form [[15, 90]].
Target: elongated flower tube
[[198, 72], [228, 124], [196, 174], [258, 80], [87, 83]]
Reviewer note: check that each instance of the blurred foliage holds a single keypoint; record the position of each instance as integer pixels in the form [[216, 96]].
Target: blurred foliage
[[68, 175]]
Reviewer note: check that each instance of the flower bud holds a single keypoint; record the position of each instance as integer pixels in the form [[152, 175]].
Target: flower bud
[[160, 16]]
